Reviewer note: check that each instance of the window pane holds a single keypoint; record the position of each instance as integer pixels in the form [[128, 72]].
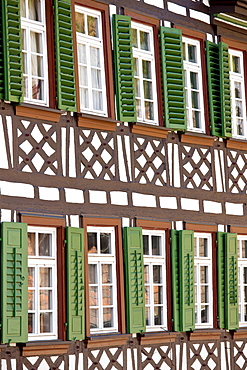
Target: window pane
[[146, 69], [244, 248], [36, 42], [80, 22], [94, 319], [31, 300], [34, 10], [149, 112], [106, 273], [146, 274], [92, 272], [95, 57], [45, 299], [45, 322], [204, 294], [97, 100], [203, 274], [196, 120], [236, 64], [157, 274], [105, 243], [148, 90], [147, 295], [107, 295], [237, 89], [194, 80], [45, 241], [195, 99], [204, 314], [92, 24], [45, 277], [144, 40], [145, 244], [31, 277], [192, 53], [82, 57], [31, 244], [92, 242], [23, 8], [93, 295], [96, 79], [83, 77], [31, 323], [107, 317], [148, 322], [203, 247], [158, 316], [245, 275], [158, 297], [134, 38]]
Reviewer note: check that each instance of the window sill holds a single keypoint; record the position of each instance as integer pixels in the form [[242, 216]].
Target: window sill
[[107, 340], [96, 122], [205, 334], [45, 348], [159, 337], [37, 112], [236, 144], [149, 130], [240, 334], [195, 138]]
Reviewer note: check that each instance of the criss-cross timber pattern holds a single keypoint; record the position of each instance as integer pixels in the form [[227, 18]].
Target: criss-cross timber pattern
[[150, 159], [203, 356], [237, 168], [37, 148], [45, 362], [97, 155], [196, 167], [162, 358], [239, 353], [105, 359]]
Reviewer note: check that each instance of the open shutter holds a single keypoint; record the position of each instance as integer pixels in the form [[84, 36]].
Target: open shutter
[[186, 261], [225, 90], [65, 62], [221, 277], [173, 78], [14, 283], [124, 71], [134, 274], [219, 89], [11, 28], [175, 279], [75, 284], [231, 294]]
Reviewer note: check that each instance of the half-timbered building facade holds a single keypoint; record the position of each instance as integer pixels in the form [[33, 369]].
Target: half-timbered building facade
[[123, 180]]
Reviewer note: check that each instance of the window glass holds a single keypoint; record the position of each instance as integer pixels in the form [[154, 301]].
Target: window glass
[[42, 288], [144, 73], [238, 101], [193, 85], [203, 280], [90, 61], [154, 278], [102, 279]]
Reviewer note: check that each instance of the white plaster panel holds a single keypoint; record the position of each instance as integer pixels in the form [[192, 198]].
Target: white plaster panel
[[125, 222], [3, 151], [234, 209], [200, 16], [80, 362], [4, 364], [132, 360], [72, 171], [178, 9], [75, 220], [127, 146], [119, 198], [13, 364], [96, 196], [10, 136], [179, 225], [74, 195], [5, 215], [121, 165], [63, 149], [220, 181], [16, 189], [143, 200], [176, 167], [221, 228], [46, 193], [44, 366], [190, 204], [212, 207], [168, 202], [158, 3]]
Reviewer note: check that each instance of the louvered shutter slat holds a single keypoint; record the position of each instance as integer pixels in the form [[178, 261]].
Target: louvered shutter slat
[[225, 90], [75, 283], [134, 274], [175, 279], [65, 70], [14, 283], [231, 270], [173, 78], [124, 72]]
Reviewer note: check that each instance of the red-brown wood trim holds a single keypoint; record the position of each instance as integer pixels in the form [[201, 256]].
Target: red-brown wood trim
[[104, 9], [50, 53], [43, 221], [43, 113], [149, 130], [153, 225], [238, 230], [205, 335], [116, 223], [240, 334], [191, 33], [97, 122], [45, 349], [236, 144], [201, 227], [191, 138], [101, 341], [158, 338], [155, 24]]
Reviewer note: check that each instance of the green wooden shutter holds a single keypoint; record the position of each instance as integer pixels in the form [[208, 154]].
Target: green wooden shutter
[[124, 71], [11, 28], [231, 294], [225, 90], [219, 89], [64, 45], [186, 261], [221, 277], [75, 283], [134, 274], [175, 279], [173, 78], [14, 283]]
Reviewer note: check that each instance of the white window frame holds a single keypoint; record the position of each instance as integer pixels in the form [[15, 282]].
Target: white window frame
[[96, 42], [45, 261], [242, 263], [140, 55], [200, 262], [29, 25], [196, 68], [150, 261], [240, 78], [99, 259]]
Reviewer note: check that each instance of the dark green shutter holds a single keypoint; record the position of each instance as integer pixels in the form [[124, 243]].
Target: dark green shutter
[[173, 78], [14, 283], [134, 274], [124, 72], [11, 28], [228, 281], [65, 62], [75, 284], [219, 89], [175, 279]]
